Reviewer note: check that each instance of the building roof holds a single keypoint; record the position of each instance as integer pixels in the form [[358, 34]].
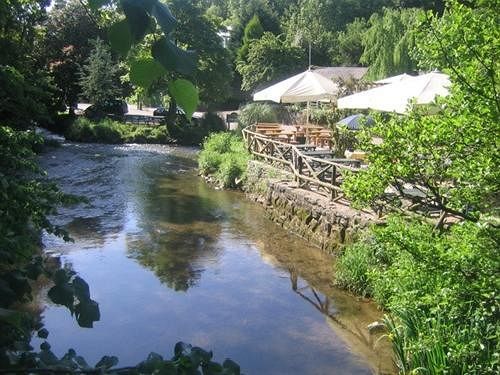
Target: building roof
[[343, 72]]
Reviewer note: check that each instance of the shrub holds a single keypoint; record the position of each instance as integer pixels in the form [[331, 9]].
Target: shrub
[[225, 157], [442, 289], [353, 268], [257, 112], [110, 131], [209, 161]]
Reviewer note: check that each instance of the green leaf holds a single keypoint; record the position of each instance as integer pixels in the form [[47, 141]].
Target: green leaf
[[137, 17], [152, 363], [145, 71], [173, 58], [107, 362], [185, 94], [61, 276], [164, 18], [120, 37]]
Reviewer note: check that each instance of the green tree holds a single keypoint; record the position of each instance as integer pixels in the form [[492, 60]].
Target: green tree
[[99, 76], [66, 46], [241, 11], [317, 22], [348, 48], [196, 32], [253, 31], [451, 158], [389, 42], [269, 58]]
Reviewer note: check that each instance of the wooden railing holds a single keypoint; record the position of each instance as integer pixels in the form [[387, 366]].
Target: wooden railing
[[314, 173]]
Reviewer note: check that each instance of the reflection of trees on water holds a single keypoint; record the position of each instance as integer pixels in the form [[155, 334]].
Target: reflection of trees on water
[[177, 258], [179, 230]]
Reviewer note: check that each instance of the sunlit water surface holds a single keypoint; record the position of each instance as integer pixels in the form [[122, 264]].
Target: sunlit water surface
[[169, 258]]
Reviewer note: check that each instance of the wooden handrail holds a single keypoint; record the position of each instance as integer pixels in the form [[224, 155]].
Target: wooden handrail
[[322, 175]]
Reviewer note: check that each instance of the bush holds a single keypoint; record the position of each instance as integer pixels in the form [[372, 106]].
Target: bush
[[195, 131], [257, 112], [225, 157], [442, 290], [109, 131]]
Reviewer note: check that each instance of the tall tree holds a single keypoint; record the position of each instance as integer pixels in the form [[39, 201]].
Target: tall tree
[[269, 58], [66, 46], [389, 42], [348, 48], [99, 76], [194, 31], [253, 31]]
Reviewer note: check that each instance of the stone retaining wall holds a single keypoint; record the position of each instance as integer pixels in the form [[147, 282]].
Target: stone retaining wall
[[313, 217]]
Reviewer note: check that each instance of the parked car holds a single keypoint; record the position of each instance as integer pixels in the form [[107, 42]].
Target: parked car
[[160, 111], [113, 107]]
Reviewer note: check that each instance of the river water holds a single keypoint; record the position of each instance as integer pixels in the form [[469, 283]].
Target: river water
[[169, 258]]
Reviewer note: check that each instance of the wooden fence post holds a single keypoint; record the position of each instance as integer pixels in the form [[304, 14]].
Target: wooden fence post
[[333, 182]]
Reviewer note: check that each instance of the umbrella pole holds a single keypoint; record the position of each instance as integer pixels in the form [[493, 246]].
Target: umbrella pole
[[307, 114]]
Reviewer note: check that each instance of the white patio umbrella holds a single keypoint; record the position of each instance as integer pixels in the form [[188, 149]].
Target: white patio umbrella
[[394, 79], [394, 97], [307, 86]]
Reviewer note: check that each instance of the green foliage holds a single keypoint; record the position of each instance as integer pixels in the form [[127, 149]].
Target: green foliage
[[193, 133], [114, 132], [389, 42], [22, 102], [66, 44], [464, 45], [257, 112], [194, 31], [269, 58], [186, 95], [319, 21], [224, 156], [27, 199], [441, 288], [99, 76], [253, 31], [348, 48]]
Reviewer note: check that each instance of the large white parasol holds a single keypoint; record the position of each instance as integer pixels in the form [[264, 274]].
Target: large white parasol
[[307, 86], [394, 97]]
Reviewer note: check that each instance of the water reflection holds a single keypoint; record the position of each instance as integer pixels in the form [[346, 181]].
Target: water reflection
[[172, 259]]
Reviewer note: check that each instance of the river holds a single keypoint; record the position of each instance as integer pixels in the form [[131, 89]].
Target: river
[[169, 258]]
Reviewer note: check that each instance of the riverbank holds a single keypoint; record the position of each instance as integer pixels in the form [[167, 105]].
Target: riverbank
[[313, 217], [109, 131]]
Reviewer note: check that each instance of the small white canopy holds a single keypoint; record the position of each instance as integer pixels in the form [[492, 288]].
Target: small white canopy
[[394, 79], [307, 86], [394, 97]]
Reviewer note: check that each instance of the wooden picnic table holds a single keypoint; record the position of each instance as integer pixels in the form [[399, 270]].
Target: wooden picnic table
[[306, 147], [322, 154]]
